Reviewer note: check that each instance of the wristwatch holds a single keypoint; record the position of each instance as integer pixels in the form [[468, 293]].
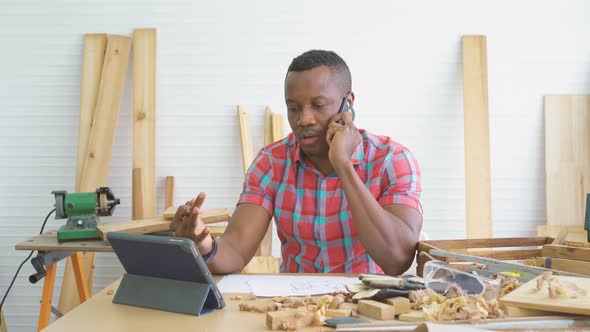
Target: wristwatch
[[211, 253]]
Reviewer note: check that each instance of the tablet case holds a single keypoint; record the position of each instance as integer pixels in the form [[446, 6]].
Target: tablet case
[[164, 273]]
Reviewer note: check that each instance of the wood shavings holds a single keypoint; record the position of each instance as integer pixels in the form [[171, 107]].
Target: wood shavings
[[236, 298], [257, 308], [508, 284], [337, 301], [558, 288], [437, 307], [424, 296]]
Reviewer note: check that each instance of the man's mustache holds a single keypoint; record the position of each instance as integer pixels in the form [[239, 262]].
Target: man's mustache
[[308, 132]]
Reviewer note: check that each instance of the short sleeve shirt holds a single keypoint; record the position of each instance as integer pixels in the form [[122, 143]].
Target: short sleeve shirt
[[312, 215]]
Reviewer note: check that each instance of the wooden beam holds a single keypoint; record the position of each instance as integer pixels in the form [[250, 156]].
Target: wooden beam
[[245, 139], [567, 159], [566, 252], [93, 58], [268, 137], [137, 211], [278, 131], [566, 265], [477, 138], [144, 116], [208, 216], [2, 322], [146, 226], [98, 157], [143, 226], [169, 192], [274, 131]]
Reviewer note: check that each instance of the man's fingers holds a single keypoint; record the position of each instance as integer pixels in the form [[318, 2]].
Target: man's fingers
[[179, 212], [330, 134], [347, 116], [199, 200], [200, 237]]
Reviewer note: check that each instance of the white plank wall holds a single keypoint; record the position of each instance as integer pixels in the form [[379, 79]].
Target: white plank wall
[[405, 57]]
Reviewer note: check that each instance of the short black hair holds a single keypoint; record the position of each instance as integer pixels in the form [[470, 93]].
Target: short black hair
[[316, 58]]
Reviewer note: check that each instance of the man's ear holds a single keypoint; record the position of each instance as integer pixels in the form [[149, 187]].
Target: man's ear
[[350, 98]]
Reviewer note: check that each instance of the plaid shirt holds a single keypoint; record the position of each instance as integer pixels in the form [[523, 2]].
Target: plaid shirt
[[313, 218]]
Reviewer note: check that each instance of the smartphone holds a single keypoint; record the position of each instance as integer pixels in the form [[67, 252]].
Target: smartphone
[[345, 106]]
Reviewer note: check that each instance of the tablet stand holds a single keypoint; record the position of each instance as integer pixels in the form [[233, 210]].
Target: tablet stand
[[184, 297]]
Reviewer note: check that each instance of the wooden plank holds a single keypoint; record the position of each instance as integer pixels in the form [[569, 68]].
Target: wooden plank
[[268, 136], [577, 244], [245, 139], [137, 211], [567, 158], [278, 131], [93, 58], [566, 265], [142, 226], [169, 202], [144, 117], [489, 243], [477, 138], [574, 233], [500, 254], [208, 216], [512, 311], [98, 157], [48, 242], [106, 115], [566, 252], [526, 297], [2, 322]]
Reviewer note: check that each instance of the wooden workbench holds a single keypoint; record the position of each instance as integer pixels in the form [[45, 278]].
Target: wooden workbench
[[99, 314]]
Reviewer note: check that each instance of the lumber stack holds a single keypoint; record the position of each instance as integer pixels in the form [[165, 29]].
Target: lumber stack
[[571, 257], [105, 62]]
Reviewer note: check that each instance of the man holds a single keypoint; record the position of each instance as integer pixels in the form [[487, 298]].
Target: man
[[344, 200]]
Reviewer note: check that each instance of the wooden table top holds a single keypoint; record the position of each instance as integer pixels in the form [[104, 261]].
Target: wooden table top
[[99, 314]]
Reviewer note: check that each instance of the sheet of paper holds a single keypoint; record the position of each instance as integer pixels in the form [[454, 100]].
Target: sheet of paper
[[279, 285]]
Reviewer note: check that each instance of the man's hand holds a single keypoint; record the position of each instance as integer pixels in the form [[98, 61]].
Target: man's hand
[[187, 223], [343, 139]]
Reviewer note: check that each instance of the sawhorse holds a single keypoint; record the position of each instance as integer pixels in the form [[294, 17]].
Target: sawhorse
[[50, 251], [46, 265]]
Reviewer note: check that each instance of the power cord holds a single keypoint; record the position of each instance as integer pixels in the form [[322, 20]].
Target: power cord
[[21, 265]]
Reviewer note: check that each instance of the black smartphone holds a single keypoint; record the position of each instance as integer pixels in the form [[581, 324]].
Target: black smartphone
[[345, 106]]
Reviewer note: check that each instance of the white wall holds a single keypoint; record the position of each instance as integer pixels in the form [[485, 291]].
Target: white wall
[[406, 63]]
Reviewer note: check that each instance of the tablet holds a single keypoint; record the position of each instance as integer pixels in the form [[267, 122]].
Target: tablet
[[164, 257]]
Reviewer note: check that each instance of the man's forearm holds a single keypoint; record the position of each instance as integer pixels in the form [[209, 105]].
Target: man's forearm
[[387, 238], [227, 259]]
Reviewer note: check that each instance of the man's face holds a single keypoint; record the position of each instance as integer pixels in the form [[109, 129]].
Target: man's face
[[312, 97]]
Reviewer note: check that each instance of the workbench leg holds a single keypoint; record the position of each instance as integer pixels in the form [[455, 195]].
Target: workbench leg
[[46, 298], [83, 291]]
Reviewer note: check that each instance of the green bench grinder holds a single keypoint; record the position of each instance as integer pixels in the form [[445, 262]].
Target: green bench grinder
[[82, 211]]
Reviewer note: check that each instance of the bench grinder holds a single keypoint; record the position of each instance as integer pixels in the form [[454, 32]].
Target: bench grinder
[[82, 211]]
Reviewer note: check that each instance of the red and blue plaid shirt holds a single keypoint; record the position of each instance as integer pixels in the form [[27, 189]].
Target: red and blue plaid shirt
[[312, 216]]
